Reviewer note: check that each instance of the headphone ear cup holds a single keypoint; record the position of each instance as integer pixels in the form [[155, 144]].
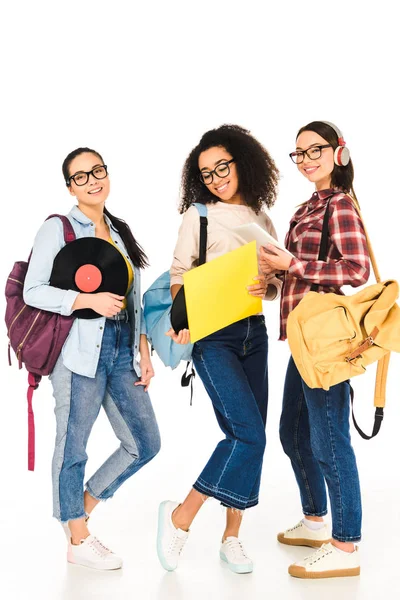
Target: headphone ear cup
[[341, 156]]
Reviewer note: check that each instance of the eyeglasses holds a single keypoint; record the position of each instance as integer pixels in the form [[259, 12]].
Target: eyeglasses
[[221, 170], [313, 153], [82, 177]]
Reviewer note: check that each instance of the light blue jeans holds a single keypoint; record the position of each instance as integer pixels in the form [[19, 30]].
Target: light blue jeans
[[78, 402]]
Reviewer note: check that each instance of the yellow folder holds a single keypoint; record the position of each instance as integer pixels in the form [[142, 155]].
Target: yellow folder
[[216, 293]]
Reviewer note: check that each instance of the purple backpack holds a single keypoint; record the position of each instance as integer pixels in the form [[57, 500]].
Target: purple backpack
[[35, 335]]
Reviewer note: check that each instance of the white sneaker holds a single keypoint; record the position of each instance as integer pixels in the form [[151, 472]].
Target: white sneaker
[[301, 535], [327, 562], [92, 553], [233, 553], [170, 540], [67, 532]]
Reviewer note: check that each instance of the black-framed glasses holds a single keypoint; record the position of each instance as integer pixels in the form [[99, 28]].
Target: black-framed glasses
[[221, 170], [82, 177], [313, 153]]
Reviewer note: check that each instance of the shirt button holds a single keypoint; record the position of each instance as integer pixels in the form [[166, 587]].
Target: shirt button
[[135, 311], [91, 224], [97, 346], [101, 328], [115, 241]]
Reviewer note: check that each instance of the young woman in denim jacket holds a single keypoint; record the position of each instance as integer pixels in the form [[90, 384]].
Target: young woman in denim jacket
[[97, 366], [235, 176], [314, 426]]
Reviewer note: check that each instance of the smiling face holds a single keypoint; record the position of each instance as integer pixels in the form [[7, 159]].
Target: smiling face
[[226, 187], [95, 191], [318, 171]]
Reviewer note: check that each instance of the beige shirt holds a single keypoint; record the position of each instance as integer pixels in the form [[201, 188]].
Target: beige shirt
[[221, 238]]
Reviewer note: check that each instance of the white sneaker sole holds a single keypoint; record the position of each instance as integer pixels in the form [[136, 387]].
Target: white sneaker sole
[[160, 533], [111, 565], [241, 569]]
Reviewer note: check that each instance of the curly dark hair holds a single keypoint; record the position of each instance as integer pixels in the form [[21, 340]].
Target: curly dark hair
[[257, 173], [342, 177]]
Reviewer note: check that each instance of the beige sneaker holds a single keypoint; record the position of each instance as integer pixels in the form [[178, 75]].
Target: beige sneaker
[[301, 535], [327, 562]]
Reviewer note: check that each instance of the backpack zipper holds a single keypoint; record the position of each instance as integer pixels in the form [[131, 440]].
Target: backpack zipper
[[15, 318], [19, 347]]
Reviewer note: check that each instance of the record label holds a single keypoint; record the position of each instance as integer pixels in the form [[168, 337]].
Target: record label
[[90, 265]]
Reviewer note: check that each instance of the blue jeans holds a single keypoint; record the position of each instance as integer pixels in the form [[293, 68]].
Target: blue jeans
[[232, 364], [78, 402], [315, 434]]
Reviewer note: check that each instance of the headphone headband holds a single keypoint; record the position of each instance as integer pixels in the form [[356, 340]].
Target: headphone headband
[[337, 131]]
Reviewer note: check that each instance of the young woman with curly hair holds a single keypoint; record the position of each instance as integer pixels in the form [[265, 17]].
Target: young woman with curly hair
[[234, 175], [314, 426]]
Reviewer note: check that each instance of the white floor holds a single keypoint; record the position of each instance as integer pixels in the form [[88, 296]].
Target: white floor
[[33, 561], [34, 564]]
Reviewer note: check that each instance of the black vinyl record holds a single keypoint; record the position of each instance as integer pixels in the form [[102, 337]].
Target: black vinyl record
[[179, 318], [90, 265]]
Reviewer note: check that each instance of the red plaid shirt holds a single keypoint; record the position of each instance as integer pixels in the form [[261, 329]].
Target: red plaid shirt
[[347, 260]]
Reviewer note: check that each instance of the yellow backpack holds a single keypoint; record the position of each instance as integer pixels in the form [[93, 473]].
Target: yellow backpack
[[333, 338]]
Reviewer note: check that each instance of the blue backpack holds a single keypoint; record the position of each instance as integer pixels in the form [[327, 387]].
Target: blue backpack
[[157, 302]]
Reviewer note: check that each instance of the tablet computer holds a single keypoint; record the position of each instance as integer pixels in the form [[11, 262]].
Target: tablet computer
[[252, 231]]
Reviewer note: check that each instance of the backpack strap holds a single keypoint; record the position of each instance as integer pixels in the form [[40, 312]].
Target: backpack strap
[[69, 233], [33, 381], [187, 378], [383, 363], [202, 208], [377, 419], [323, 248]]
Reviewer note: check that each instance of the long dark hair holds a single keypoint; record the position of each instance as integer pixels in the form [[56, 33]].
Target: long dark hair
[[135, 251], [257, 173], [341, 177]]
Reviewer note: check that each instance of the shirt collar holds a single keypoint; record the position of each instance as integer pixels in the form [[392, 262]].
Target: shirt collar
[[322, 195], [78, 215]]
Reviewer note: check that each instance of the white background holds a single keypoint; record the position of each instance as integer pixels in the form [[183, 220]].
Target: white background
[[141, 82]]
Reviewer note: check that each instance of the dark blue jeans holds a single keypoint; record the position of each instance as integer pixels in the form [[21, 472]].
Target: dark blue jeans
[[315, 434], [232, 364]]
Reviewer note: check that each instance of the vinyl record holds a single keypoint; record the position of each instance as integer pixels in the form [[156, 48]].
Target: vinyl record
[[90, 265], [179, 318]]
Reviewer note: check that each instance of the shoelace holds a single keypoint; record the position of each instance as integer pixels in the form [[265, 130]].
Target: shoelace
[[99, 547], [237, 549], [322, 552], [176, 544], [299, 524]]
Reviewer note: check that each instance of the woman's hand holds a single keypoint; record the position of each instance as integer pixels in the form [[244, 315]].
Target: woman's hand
[[273, 259], [147, 373], [183, 337], [104, 303], [259, 289]]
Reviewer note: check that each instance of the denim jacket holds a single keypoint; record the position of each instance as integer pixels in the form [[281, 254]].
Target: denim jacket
[[82, 348]]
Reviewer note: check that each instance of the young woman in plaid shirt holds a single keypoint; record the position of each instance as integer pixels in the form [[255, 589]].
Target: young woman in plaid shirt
[[314, 427]]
